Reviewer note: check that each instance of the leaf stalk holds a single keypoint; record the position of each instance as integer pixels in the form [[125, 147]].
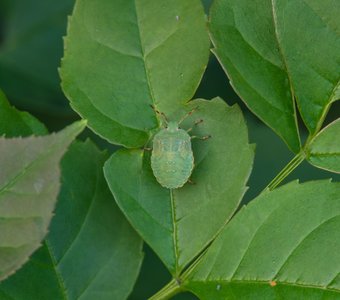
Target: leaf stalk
[[171, 289], [290, 167]]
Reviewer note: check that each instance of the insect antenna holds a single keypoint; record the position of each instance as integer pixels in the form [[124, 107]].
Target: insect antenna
[[188, 114], [160, 113]]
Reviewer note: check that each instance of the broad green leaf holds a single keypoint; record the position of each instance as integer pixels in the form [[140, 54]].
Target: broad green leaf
[[278, 50], [123, 55], [16, 123], [91, 251], [29, 187], [174, 222], [31, 50], [324, 150], [246, 44], [283, 245], [309, 37]]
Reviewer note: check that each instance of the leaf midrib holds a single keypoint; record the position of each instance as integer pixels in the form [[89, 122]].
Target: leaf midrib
[[285, 66], [147, 75], [30, 165], [58, 274], [175, 232]]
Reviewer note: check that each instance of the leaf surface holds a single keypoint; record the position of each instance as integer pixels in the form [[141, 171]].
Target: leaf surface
[[91, 251], [309, 36], [121, 56], [29, 187], [15, 123], [275, 51], [324, 150], [283, 245], [174, 222]]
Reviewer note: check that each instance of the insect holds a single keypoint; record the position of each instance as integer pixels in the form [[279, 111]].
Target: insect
[[172, 159]]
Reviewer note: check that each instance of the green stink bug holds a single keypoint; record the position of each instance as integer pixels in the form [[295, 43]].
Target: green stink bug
[[172, 159]]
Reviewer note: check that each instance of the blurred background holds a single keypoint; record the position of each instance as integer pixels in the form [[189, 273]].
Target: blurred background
[[31, 46]]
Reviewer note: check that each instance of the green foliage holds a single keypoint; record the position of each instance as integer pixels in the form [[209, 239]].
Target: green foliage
[[28, 192], [89, 222], [284, 245], [277, 51], [121, 56]]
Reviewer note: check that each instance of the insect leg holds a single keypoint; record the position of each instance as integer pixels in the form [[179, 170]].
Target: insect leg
[[188, 114], [195, 124], [203, 138], [191, 182], [160, 113]]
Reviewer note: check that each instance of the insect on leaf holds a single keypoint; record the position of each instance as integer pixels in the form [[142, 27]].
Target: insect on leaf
[[170, 221]]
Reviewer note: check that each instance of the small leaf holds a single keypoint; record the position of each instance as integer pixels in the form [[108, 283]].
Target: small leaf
[[284, 245], [272, 57], [28, 191], [91, 251], [174, 222], [123, 55], [14, 123], [324, 150]]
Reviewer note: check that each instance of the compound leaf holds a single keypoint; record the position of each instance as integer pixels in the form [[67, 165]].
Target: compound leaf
[[91, 251], [121, 56], [28, 190], [173, 222], [283, 245]]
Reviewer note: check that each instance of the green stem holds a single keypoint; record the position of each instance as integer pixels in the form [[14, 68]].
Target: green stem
[[290, 167], [171, 289]]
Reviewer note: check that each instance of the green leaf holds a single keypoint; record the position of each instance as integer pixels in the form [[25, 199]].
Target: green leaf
[[28, 191], [121, 56], [31, 50], [284, 245], [272, 56], [312, 54], [91, 251], [247, 46], [324, 149], [14, 123], [178, 224]]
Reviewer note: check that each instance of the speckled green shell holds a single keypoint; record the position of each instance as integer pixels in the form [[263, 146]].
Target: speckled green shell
[[172, 160]]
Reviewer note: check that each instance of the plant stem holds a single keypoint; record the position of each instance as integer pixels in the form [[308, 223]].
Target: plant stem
[[292, 165], [171, 289]]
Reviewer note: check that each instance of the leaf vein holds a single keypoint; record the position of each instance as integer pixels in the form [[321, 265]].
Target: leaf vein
[[82, 226], [301, 242], [174, 233], [60, 280]]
